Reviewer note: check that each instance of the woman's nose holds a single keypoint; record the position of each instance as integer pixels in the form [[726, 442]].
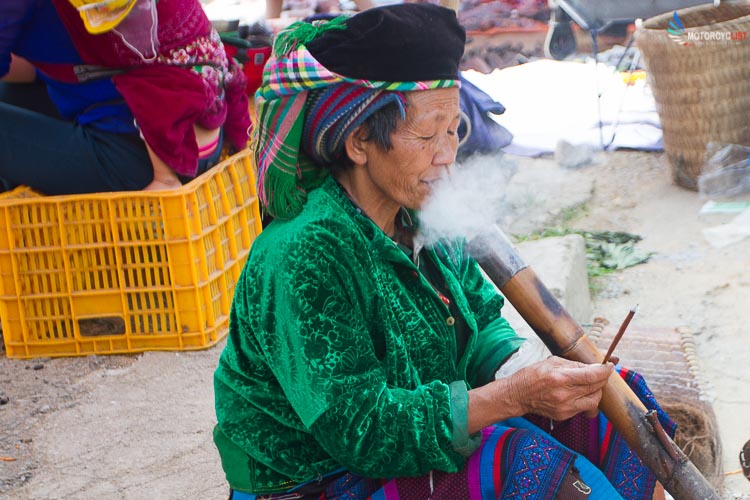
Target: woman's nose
[[446, 150]]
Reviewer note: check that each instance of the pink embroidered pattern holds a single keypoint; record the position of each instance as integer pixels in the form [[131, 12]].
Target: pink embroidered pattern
[[205, 56]]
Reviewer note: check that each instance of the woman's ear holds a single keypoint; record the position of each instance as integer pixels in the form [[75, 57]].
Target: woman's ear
[[356, 146]]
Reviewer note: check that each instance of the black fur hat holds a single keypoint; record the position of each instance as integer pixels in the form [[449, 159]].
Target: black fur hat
[[405, 42]]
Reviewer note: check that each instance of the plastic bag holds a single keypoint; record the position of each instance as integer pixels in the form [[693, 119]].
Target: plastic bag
[[532, 351], [139, 30], [726, 173], [485, 135], [726, 234]]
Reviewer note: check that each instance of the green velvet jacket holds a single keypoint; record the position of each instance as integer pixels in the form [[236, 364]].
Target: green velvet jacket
[[340, 353]]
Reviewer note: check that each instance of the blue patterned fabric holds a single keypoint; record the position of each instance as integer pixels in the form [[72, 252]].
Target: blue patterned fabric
[[620, 464]]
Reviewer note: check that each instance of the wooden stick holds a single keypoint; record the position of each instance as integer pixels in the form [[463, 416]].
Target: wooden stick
[[617, 338], [738, 471]]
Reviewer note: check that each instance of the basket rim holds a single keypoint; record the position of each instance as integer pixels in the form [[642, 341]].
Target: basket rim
[[647, 25]]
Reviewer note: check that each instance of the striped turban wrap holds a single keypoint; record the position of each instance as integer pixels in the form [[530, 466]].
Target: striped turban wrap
[[305, 109], [334, 112]]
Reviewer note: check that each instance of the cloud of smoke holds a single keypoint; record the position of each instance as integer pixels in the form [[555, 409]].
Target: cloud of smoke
[[467, 201]]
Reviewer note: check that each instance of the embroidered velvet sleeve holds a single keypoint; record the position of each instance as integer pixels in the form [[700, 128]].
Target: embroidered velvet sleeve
[[319, 345], [463, 442], [384, 432], [496, 339]]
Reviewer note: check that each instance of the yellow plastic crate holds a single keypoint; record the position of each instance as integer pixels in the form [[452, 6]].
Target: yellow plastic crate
[[125, 272]]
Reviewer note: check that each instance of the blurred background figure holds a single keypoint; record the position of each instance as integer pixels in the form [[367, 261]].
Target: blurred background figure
[[297, 9], [144, 95]]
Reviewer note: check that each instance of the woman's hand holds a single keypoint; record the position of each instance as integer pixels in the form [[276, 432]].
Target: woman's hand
[[559, 389], [20, 71], [164, 177], [163, 184], [554, 388]]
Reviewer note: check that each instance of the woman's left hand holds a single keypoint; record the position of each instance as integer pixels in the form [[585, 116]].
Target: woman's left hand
[[164, 177], [161, 185]]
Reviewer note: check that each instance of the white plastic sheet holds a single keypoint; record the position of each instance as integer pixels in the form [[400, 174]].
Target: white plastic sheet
[[549, 101]]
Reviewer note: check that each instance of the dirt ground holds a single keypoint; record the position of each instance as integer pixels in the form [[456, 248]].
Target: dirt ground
[[140, 426], [688, 284]]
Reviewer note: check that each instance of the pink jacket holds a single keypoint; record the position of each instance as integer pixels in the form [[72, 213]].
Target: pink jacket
[[190, 82]]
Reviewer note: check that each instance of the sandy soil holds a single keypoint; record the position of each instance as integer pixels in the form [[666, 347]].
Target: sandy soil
[[140, 426]]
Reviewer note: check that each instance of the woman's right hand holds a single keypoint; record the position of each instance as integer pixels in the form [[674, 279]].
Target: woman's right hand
[[553, 388], [559, 389]]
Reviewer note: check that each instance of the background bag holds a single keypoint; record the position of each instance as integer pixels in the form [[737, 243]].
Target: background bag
[[485, 134]]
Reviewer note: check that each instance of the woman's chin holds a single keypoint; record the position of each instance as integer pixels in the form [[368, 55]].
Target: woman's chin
[[419, 199]]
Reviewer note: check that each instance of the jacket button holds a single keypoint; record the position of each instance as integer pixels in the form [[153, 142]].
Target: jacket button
[[450, 321]]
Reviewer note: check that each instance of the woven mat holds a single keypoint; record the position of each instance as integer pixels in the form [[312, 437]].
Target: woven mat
[[666, 358]]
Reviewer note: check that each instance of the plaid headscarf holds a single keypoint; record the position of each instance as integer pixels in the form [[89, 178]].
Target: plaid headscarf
[[292, 151], [332, 113]]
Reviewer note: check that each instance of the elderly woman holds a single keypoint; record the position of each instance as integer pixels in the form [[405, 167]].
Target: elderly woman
[[358, 366]]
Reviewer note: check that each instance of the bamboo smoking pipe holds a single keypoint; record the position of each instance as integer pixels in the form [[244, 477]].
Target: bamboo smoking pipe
[[565, 338]]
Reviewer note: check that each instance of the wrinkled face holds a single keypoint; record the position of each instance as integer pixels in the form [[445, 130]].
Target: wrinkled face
[[424, 147]]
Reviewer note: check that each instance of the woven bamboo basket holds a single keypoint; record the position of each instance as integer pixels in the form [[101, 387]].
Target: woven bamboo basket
[[701, 87], [667, 360]]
